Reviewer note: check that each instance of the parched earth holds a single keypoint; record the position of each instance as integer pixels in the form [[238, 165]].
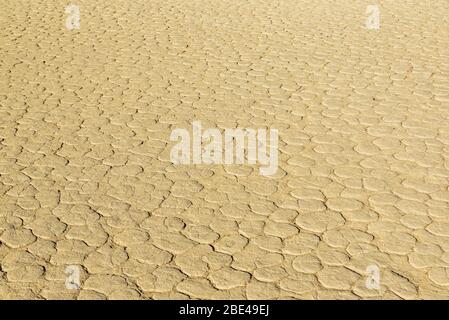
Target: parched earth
[[86, 179]]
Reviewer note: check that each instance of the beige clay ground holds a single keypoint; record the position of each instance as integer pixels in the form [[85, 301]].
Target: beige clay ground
[[86, 178]]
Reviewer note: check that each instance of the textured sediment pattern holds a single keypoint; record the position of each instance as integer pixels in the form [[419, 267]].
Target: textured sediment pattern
[[86, 179]]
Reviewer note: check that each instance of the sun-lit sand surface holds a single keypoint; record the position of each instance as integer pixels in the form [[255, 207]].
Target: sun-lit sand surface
[[86, 178]]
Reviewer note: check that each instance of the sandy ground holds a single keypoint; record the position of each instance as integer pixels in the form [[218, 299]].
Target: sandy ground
[[86, 179]]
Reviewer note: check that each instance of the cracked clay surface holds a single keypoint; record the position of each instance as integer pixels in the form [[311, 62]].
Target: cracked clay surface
[[86, 178]]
